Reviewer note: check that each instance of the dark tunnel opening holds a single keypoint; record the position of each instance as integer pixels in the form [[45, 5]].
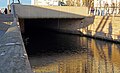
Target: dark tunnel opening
[[37, 36], [40, 37]]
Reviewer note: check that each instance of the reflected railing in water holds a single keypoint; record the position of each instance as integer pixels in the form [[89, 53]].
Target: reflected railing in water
[[95, 57]]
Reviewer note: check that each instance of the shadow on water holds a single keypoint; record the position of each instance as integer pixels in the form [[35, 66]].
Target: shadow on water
[[50, 42], [53, 52]]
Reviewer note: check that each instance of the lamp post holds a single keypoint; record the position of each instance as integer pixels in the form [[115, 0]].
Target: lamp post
[[8, 5]]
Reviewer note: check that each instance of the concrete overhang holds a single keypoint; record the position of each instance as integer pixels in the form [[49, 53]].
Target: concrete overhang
[[29, 11]]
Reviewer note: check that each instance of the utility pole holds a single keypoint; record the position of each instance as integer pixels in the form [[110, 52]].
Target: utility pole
[[8, 5]]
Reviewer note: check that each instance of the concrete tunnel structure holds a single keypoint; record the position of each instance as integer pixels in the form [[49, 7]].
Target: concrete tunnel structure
[[63, 19], [12, 50], [68, 19]]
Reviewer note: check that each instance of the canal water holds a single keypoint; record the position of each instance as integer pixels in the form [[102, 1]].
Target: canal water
[[53, 52]]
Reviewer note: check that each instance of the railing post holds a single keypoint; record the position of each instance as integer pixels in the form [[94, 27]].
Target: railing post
[[13, 10]]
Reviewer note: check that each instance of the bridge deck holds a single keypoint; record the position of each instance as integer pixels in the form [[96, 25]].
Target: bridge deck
[[13, 57], [29, 11]]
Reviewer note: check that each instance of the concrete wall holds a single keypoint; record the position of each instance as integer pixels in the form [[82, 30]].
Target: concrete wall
[[13, 56], [106, 27], [29, 11]]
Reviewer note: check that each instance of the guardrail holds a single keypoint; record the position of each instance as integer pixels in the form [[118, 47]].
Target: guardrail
[[104, 11]]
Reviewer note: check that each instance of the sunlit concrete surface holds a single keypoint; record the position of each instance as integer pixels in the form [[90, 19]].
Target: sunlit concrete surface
[[106, 27], [29, 11]]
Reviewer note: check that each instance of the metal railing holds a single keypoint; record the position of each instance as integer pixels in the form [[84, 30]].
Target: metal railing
[[102, 11]]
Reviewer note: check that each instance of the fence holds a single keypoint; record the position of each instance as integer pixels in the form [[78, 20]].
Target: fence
[[102, 11]]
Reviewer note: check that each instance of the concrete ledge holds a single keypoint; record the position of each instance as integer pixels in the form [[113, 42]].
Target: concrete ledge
[[6, 17], [13, 57]]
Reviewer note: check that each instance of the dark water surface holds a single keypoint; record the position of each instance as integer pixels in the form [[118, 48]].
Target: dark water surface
[[52, 52]]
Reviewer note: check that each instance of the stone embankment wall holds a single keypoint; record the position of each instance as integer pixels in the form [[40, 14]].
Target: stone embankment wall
[[105, 27]]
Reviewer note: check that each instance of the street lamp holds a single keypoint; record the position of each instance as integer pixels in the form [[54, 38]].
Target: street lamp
[[8, 5]]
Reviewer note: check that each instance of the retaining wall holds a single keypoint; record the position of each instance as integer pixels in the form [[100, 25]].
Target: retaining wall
[[105, 27]]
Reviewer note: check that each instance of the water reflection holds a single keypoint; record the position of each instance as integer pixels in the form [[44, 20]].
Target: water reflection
[[77, 55]]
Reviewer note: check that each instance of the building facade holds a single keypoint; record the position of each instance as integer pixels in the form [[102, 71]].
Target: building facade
[[102, 3], [95, 3], [46, 2], [105, 7], [57, 2]]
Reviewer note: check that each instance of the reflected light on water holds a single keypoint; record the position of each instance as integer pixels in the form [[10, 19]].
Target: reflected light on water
[[92, 56]]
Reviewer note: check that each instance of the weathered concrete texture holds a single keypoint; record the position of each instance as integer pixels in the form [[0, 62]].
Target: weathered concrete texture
[[3, 28], [13, 57], [29, 11], [6, 18], [106, 27]]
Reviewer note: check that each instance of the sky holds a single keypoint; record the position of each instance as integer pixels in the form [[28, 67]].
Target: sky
[[3, 3]]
